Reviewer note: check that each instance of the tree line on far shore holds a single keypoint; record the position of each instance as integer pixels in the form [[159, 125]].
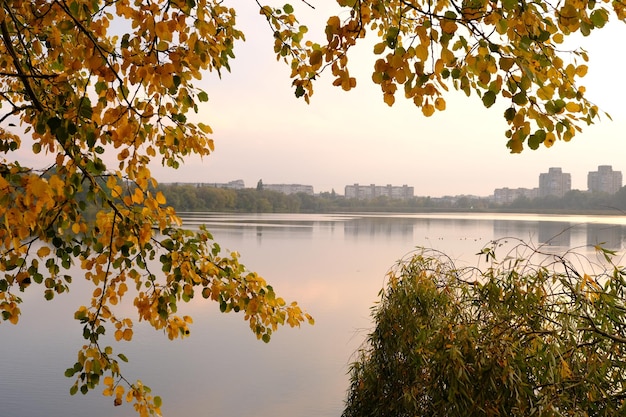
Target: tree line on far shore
[[188, 197]]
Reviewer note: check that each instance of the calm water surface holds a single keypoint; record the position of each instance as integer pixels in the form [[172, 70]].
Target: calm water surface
[[333, 265]]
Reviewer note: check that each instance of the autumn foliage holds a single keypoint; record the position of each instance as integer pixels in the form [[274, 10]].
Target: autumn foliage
[[99, 89], [509, 50], [96, 90]]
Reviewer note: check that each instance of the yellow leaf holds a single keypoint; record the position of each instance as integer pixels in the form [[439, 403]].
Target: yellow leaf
[[160, 198], [315, 58], [566, 372], [379, 48], [127, 335], [163, 32], [545, 92], [447, 56], [573, 107], [333, 24], [515, 145], [389, 99], [3, 184], [549, 140], [37, 186], [440, 104], [138, 196], [43, 251], [111, 182], [421, 52], [448, 26], [428, 109]]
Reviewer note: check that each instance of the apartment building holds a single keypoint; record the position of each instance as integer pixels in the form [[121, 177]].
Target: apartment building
[[366, 192], [554, 182], [604, 180], [289, 188], [508, 195]]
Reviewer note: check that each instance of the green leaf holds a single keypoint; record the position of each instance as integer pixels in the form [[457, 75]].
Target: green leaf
[[61, 134], [525, 42], [85, 108], [536, 139], [489, 98], [585, 28], [392, 37], [599, 17], [157, 401], [40, 127], [520, 98], [299, 91], [74, 8], [65, 26], [53, 123], [509, 4], [100, 87], [288, 8], [203, 96], [90, 138]]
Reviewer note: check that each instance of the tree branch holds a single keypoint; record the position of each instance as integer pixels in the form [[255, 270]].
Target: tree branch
[[20, 73], [13, 74]]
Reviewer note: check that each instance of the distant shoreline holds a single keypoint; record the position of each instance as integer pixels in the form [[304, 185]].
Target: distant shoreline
[[367, 210]]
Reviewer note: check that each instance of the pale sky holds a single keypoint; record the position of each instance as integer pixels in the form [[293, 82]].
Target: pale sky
[[262, 131]]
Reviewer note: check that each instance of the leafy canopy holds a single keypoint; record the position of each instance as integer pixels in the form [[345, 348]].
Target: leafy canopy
[[507, 50], [533, 334], [99, 89]]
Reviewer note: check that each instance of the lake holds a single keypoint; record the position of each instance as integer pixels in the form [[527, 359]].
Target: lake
[[334, 265]]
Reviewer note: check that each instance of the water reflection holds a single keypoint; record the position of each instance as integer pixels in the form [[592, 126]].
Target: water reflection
[[609, 236], [334, 265], [377, 227], [562, 234]]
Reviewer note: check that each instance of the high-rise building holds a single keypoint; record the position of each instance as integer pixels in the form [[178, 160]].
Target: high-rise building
[[289, 188], [604, 180], [554, 182], [365, 192]]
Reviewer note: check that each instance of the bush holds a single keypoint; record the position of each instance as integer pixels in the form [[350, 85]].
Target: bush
[[535, 334]]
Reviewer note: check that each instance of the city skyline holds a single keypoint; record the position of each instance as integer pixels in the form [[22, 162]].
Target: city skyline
[[545, 186], [263, 131]]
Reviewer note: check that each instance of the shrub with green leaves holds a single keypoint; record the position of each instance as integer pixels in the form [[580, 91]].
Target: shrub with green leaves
[[533, 334]]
